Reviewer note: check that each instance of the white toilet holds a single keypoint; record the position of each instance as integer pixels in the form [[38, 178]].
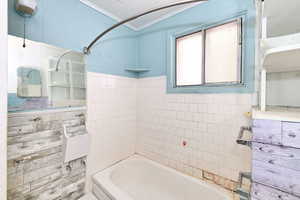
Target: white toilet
[[89, 196]]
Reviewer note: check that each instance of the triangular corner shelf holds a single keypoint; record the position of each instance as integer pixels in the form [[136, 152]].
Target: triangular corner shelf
[[137, 69]]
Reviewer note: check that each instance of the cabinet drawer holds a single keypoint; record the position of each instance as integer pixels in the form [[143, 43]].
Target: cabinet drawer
[[267, 131], [281, 178], [291, 134], [261, 192]]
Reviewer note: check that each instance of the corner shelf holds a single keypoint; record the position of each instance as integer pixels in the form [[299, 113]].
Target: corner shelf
[[137, 69]]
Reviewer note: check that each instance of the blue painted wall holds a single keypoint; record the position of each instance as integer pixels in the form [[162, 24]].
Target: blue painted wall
[[154, 41], [72, 25]]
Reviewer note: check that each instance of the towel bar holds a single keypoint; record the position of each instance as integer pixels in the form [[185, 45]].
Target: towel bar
[[240, 139]]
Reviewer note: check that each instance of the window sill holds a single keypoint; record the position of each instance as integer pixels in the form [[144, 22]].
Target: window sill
[[212, 88]]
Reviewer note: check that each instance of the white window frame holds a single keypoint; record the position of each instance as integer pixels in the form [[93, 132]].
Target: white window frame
[[239, 20]]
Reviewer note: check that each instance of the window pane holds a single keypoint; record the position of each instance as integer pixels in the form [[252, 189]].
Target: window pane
[[222, 54], [189, 59]]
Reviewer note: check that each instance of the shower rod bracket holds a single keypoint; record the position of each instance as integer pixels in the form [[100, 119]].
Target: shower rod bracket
[[87, 50]]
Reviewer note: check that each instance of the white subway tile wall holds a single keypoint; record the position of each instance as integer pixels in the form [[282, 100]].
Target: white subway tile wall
[[190, 132], [111, 120]]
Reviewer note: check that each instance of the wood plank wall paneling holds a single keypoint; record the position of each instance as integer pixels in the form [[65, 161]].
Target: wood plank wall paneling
[[261, 192], [278, 156], [291, 134], [277, 177], [46, 176], [276, 160], [267, 131]]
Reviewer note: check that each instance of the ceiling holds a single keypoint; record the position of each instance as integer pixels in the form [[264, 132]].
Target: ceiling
[[122, 9]]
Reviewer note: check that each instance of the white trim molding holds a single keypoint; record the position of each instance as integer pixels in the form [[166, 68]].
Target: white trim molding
[[3, 95]]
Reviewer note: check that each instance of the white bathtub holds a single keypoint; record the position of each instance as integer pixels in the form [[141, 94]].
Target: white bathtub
[[138, 178]]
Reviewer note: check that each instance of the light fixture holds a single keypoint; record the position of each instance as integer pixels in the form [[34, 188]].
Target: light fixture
[[26, 9]]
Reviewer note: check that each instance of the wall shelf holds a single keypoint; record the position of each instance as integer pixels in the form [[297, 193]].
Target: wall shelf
[[60, 71], [285, 58], [277, 113], [282, 59], [59, 85], [273, 42], [67, 86], [279, 52], [137, 69]]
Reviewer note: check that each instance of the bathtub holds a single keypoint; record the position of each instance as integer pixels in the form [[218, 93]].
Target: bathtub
[[138, 178]]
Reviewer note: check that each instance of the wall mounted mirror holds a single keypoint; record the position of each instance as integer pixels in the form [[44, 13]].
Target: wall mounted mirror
[[35, 82]]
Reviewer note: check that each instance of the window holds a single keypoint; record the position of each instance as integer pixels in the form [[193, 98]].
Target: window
[[189, 59], [211, 56]]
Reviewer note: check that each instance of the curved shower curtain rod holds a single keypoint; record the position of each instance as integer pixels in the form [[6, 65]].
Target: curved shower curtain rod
[[87, 50]]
